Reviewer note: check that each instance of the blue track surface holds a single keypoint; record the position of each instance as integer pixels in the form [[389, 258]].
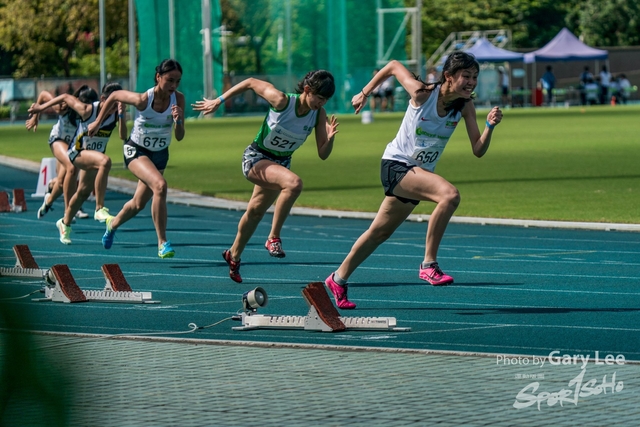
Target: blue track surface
[[517, 290]]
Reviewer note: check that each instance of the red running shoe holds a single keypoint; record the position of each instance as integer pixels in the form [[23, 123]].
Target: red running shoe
[[274, 246], [234, 267]]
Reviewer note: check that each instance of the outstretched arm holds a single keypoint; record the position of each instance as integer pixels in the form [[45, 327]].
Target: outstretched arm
[[138, 100], [480, 142], [32, 121], [84, 110], [404, 77], [266, 90], [326, 131]]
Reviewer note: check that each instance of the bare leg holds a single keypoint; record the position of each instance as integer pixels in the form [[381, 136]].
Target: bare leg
[[151, 184], [261, 200], [272, 176], [59, 150], [391, 214]]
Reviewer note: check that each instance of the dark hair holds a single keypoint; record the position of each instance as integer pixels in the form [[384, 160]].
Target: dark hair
[[320, 82], [86, 95], [166, 66], [455, 62], [109, 88]]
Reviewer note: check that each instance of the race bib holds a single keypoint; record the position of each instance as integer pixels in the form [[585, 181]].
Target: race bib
[[154, 139], [427, 151], [282, 140], [129, 151]]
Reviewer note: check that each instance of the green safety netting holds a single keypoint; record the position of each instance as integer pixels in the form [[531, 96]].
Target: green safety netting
[[154, 37]]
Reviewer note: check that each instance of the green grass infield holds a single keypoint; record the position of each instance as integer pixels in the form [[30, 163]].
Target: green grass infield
[[568, 164]]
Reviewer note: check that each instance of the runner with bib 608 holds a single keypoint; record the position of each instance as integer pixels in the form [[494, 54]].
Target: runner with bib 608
[[408, 163]]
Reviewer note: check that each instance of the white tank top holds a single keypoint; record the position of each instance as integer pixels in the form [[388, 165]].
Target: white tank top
[[62, 130], [152, 130], [98, 142], [283, 132], [423, 135]]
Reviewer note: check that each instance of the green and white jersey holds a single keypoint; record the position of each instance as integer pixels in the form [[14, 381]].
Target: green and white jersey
[[63, 130], [152, 130], [283, 131]]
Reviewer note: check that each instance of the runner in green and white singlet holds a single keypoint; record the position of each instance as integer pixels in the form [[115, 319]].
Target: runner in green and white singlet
[[266, 162]]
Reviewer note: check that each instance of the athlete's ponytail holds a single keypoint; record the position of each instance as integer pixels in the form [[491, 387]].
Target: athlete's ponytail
[[320, 82]]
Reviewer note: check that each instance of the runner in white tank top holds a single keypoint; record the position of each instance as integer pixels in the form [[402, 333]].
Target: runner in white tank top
[[159, 113], [409, 160], [86, 154], [289, 121], [59, 139]]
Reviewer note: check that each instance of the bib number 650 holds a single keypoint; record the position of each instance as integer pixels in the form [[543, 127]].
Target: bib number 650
[[426, 156]]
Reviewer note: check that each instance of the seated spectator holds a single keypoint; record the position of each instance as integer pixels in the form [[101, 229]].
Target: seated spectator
[[624, 88]]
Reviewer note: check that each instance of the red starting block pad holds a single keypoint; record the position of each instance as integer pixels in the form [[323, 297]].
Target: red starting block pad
[[26, 265], [322, 316], [5, 206], [65, 289], [19, 202]]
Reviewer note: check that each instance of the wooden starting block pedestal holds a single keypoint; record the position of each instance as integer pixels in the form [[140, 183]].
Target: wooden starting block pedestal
[[65, 288], [322, 316], [26, 265]]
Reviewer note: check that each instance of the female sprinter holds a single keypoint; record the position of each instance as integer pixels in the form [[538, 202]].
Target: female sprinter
[[409, 161], [87, 153], [59, 139], [146, 152], [266, 162]]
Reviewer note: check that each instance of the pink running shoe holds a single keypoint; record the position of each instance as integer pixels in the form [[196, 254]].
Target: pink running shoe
[[234, 267], [339, 293], [434, 275], [274, 246]]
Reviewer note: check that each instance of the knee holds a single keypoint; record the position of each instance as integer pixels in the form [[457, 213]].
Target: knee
[[452, 197], [105, 163], [254, 214], [138, 205], [159, 188], [294, 186], [379, 236]]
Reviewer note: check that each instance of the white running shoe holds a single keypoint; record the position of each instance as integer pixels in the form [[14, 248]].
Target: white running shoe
[[45, 207], [65, 232], [101, 214], [81, 214]]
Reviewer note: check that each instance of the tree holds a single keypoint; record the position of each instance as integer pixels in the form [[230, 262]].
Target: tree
[[43, 36], [610, 22]]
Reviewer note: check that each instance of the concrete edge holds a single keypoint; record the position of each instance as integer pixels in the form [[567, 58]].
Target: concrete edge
[[184, 198]]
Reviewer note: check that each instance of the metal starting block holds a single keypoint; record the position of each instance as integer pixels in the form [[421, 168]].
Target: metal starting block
[[322, 316], [65, 288], [26, 265]]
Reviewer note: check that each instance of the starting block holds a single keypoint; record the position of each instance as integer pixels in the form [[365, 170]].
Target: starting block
[[322, 316], [19, 203], [26, 265], [65, 289]]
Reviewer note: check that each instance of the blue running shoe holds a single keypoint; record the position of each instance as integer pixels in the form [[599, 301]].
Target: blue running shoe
[[166, 251], [107, 237]]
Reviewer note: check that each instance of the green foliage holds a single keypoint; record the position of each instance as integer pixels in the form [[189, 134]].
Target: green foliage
[[44, 35], [575, 164], [116, 57], [610, 22]]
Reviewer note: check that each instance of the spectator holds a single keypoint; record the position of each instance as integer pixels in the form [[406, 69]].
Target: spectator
[[383, 95], [624, 88], [504, 86], [585, 78], [432, 77], [605, 82], [549, 83]]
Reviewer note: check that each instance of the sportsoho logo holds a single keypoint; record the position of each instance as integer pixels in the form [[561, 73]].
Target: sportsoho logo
[[579, 387]]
